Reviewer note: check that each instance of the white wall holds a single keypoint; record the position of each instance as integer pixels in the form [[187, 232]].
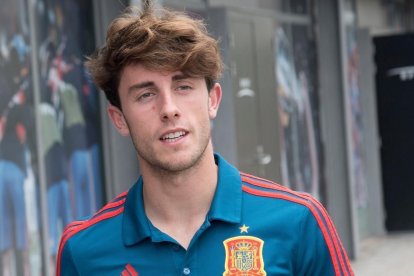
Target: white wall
[[379, 18]]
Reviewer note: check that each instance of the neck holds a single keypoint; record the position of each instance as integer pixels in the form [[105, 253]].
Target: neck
[[177, 203]]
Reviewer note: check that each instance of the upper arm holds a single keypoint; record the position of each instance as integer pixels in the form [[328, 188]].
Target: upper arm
[[65, 263], [320, 249]]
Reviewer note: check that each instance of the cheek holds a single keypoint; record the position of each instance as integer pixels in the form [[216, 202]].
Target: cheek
[[203, 113]]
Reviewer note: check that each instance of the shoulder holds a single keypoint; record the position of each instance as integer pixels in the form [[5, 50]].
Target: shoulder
[[110, 211], [84, 236], [270, 191], [260, 187]]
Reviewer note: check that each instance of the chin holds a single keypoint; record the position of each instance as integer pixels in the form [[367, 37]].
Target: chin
[[174, 163], [178, 164]]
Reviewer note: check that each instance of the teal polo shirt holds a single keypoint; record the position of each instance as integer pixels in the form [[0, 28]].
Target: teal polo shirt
[[254, 227]]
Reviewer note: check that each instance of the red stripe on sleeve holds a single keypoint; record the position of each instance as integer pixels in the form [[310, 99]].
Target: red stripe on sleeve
[[110, 205], [345, 264], [248, 178], [73, 225]]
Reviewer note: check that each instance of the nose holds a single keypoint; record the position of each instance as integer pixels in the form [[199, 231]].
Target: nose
[[169, 109]]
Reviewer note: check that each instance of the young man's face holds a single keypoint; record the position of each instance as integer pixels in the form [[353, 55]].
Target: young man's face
[[167, 115]]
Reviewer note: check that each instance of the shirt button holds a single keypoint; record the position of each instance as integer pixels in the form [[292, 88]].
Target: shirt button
[[186, 271]]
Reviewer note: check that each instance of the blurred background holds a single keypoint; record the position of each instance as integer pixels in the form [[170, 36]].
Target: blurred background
[[317, 96]]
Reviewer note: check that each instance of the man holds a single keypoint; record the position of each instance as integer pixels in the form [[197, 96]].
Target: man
[[190, 212]]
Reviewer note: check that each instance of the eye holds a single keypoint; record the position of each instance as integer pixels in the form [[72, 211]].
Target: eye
[[184, 87], [145, 96]]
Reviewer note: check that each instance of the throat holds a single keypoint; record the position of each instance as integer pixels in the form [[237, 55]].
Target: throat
[[178, 205], [179, 215], [182, 232]]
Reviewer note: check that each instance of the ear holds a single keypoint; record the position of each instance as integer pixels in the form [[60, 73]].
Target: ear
[[118, 120], [214, 99]]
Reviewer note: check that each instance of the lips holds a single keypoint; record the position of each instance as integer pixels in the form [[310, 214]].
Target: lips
[[173, 136]]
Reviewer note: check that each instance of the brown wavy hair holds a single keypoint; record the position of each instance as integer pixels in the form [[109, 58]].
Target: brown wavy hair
[[159, 39]]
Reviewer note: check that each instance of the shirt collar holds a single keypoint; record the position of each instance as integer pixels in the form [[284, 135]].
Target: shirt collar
[[226, 204], [135, 224]]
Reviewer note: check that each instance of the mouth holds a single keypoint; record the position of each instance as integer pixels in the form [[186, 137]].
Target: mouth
[[173, 136]]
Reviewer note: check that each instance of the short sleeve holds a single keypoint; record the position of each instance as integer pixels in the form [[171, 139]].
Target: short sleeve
[[65, 265], [320, 251]]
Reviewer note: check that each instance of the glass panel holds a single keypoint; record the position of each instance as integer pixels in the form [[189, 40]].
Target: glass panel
[[354, 113], [69, 114], [20, 228], [298, 108], [299, 6], [289, 6]]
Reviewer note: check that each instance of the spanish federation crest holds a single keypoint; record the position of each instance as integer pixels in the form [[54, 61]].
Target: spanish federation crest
[[244, 256]]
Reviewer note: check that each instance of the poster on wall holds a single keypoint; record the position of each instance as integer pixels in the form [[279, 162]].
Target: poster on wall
[[69, 115], [353, 112], [353, 107], [20, 224], [299, 153]]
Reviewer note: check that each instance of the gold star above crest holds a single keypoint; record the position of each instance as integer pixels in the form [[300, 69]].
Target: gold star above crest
[[244, 229]]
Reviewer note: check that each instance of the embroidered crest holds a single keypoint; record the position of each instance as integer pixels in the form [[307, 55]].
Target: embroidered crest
[[244, 256]]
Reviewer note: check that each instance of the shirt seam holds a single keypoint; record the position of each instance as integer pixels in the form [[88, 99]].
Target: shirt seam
[[299, 243], [71, 256]]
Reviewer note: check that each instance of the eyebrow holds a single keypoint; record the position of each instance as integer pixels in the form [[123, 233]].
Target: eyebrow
[[141, 85], [180, 77]]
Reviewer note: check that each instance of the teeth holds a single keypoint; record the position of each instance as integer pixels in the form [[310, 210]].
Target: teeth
[[173, 135]]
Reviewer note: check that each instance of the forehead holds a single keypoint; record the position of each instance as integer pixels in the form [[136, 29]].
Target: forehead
[[140, 72]]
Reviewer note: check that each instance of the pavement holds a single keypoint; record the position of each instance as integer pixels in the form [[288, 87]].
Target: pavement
[[389, 255]]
